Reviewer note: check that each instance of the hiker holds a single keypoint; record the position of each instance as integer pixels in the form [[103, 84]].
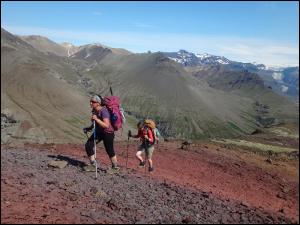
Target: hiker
[[147, 137], [104, 131]]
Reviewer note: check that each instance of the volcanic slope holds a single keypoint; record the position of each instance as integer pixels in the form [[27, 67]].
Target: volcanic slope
[[43, 194], [41, 92]]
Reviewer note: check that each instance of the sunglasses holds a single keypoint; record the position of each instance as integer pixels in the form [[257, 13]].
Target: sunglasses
[[93, 102]]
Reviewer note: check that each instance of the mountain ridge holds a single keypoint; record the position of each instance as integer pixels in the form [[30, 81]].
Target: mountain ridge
[[269, 75]]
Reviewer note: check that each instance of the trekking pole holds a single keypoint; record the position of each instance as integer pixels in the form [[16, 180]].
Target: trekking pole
[[145, 164], [95, 145], [146, 160], [127, 149]]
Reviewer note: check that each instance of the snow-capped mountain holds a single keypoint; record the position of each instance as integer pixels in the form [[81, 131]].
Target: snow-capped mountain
[[190, 59], [183, 57], [212, 59], [281, 80]]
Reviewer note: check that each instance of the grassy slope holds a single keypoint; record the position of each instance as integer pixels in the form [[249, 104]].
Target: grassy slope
[[152, 86], [35, 91], [251, 86]]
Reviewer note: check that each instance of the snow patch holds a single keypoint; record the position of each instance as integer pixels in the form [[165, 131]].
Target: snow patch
[[221, 61], [284, 88], [277, 76], [176, 60], [87, 55], [203, 56]]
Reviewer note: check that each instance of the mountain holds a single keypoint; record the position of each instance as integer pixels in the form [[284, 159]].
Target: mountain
[[41, 93], [190, 59], [183, 57], [289, 80], [153, 85], [158, 84], [284, 81], [91, 53], [269, 105], [70, 48], [48, 94], [208, 59], [95, 52], [45, 45]]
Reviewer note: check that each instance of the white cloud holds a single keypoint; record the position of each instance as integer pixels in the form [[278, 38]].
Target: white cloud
[[268, 52]]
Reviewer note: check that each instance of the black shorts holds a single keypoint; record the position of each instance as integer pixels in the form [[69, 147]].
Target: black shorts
[[108, 141]]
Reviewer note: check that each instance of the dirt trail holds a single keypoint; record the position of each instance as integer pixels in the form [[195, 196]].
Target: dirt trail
[[202, 185]]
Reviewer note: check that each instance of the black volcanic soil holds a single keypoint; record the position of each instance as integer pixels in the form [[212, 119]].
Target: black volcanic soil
[[205, 184]]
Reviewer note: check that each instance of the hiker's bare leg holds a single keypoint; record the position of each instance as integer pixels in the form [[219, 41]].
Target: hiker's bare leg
[[114, 161], [139, 156], [149, 154], [92, 158], [150, 162]]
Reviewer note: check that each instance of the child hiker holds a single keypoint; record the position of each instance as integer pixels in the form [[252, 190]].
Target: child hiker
[[145, 133]]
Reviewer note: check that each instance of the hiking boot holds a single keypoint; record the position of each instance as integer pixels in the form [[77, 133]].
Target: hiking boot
[[142, 164], [90, 168], [151, 169], [113, 170]]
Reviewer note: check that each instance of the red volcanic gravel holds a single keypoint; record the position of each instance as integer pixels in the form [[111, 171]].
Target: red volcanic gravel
[[203, 185]]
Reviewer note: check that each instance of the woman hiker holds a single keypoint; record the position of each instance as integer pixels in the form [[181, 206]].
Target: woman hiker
[[147, 137], [104, 131]]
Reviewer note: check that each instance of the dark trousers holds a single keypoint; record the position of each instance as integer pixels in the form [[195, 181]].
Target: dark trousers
[[108, 141]]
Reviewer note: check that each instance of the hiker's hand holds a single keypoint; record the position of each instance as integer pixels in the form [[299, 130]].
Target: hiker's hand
[[86, 129], [94, 117]]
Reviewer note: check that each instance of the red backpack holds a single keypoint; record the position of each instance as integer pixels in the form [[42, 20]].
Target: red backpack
[[112, 103], [150, 124]]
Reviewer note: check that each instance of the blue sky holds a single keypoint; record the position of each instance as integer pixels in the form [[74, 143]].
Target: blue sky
[[262, 32]]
